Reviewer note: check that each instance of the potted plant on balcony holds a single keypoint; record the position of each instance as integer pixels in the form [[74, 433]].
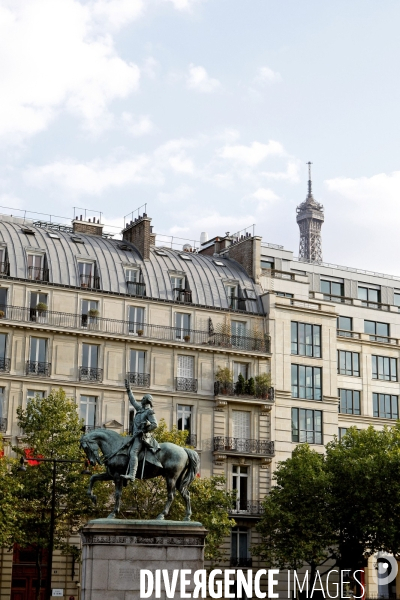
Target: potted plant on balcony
[[41, 307], [262, 385], [140, 332], [2, 313], [250, 387], [93, 313], [186, 338], [240, 385], [224, 377]]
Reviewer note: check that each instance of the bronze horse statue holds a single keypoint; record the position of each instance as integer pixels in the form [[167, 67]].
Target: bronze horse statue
[[179, 466]]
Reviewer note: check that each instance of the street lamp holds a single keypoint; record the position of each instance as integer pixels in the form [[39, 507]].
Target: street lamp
[[54, 461]]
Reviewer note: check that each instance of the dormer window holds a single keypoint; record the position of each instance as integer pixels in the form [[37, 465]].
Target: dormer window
[[36, 268], [134, 283], [233, 296], [27, 231], [87, 275], [180, 290], [4, 264]]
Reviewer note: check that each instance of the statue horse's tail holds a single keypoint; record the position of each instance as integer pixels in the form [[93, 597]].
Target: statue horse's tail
[[190, 472]]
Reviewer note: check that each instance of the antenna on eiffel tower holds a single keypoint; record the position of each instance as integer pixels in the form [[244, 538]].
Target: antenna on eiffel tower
[[309, 178]]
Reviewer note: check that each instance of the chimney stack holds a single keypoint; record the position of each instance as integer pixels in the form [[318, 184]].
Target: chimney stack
[[139, 233], [87, 227]]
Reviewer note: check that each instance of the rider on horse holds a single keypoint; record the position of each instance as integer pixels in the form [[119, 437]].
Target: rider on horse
[[144, 422]]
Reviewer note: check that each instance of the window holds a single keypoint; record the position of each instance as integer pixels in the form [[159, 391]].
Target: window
[[306, 426], [306, 339], [54, 236], [240, 369], [241, 424], [240, 552], [349, 402], [268, 264], [306, 382], [134, 283], [132, 274], [3, 421], [184, 418], [342, 432], [384, 367], [238, 329], [4, 362], [87, 411], [178, 283], [219, 263], [232, 295], [37, 364], [377, 329], [32, 394], [137, 361], [3, 300], [385, 406], [89, 370], [332, 288], [182, 324], [136, 320], [249, 294], [77, 240], [369, 295], [161, 253], [240, 478], [284, 294], [4, 265], [397, 298], [185, 257], [86, 275], [180, 293], [36, 269], [90, 313], [348, 363], [38, 299], [345, 326], [186, 366]]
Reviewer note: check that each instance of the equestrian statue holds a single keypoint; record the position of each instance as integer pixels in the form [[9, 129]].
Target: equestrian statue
[[140, 456]]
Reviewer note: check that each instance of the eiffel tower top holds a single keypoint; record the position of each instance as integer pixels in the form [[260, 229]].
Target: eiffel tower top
[[309, 203]]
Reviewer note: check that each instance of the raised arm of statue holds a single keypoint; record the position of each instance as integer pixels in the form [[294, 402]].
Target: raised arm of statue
[[136, 405]]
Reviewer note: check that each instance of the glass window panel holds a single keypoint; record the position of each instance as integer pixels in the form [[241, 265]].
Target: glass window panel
[[356, 403], [397, 299], [375, 403], [370, 327], [362, 293], [373, 295], [295, 388], [336, 289], [374, 367], [395, 412], [294, 348], [356, 364], [393, 369], [382, 329], [3, 345], [325, 286], [295, 425], [317, 341], [345, 323]]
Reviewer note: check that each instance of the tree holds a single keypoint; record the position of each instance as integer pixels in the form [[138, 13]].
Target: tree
[[295, 527], [211, 503], [52, 429], [9, 486]]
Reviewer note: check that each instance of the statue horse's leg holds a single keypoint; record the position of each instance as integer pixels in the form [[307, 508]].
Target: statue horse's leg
[[171, 489], [118, 492], [93, 479], [186, 496]]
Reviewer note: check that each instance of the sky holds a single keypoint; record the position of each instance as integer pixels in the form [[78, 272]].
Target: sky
[[207, 111]]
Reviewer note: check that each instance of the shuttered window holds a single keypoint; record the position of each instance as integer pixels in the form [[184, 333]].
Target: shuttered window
[[186, 366], [241, 424]]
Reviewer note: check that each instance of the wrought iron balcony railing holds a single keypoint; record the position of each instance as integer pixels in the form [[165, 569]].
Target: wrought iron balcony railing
[[5, 364], [191, 440], [241, 562], [185, 384], [4, 268], [42, 369], [62, 320], [230, 389], [244, 446], [38, 316], [90, 281], [139, 379], [3, 425], [250, 507], [38, 274], [90, 374], [136, 288], [182, 295]]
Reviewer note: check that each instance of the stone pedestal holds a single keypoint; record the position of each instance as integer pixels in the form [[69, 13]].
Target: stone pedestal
[[114, 552]]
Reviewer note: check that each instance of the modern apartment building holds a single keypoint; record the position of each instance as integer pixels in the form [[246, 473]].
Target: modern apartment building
[[83, 311]]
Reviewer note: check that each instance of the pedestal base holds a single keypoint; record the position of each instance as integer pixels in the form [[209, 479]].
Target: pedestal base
[[115, 551]]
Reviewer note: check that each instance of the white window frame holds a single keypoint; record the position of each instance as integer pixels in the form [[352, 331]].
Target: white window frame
[[91, 400], [137, 324]]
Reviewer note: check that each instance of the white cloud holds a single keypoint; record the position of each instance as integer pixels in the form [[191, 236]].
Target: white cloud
[[138, 126], [149, 67], [254, 154], [184, 4], [267, 75], [199, 80], [265, 194], [291, 174], [58, 56]]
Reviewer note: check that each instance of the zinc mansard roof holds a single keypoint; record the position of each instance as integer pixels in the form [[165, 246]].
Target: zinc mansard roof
[[205, 279]]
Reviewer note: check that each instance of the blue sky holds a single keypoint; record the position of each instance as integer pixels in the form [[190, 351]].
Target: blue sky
[[207, 110]]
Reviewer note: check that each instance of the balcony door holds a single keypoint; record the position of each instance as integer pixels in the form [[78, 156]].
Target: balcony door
[[239, 546], [38, 350], [87, 411], [86, 274], [136, 320], [35, 266], [35, 314], [240, 481], [182, 324], [2, 411], [184, 418], [241, 424], [186, 367], [90, 356]]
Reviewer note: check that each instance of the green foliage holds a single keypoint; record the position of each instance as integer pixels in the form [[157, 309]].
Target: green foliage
[[262, 383], [52, 429], [224, 375], [249, 387], [295, 524], [10, 487], [240, 385], [41, 306]]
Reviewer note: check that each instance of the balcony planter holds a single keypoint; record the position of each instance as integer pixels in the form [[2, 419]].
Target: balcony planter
[[2, 313], [93, 313], [224, 376], [186, 338], [140, 332]]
